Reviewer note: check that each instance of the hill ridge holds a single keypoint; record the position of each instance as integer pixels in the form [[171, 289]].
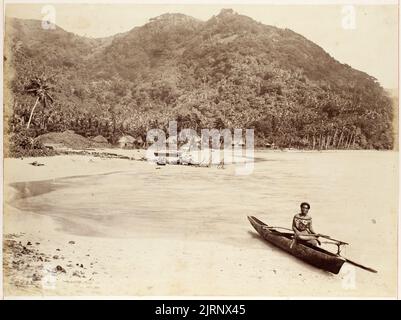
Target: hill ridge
[[229, 71]]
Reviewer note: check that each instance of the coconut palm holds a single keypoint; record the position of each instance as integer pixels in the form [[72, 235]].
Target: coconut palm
[[40, 88]]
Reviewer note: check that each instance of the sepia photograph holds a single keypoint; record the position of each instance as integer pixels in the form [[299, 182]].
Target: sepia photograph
[[184, 149]]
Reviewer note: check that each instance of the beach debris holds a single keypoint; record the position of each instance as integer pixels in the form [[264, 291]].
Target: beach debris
[[25, 250], [60, 269], [81, 265], [29, 243], [36, 277], [71, 242], [16, 263], [37, 243], [36, 164], [374, 221], [57, 249], [55, 257], [79, 274]]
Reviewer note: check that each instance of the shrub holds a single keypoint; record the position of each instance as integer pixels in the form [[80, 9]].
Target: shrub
[[22, 144]]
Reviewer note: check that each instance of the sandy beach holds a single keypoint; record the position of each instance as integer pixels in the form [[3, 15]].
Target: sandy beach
[[257, 119], [153, 252]]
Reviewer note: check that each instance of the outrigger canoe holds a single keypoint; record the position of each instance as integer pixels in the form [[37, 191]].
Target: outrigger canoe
[[309, 253]]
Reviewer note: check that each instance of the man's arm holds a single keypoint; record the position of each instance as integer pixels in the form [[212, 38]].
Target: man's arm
[[294, 227]]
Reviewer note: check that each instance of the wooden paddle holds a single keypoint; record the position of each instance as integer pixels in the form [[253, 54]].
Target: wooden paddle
[[359, 265]]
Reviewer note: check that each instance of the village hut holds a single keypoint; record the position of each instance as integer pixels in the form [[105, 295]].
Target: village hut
[[126, 141], [100, 139], [270, 145], [139, 142]]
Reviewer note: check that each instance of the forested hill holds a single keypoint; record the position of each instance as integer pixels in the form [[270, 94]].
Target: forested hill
[[227, 72]]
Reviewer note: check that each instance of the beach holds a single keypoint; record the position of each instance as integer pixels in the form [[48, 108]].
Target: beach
[[88, 226]]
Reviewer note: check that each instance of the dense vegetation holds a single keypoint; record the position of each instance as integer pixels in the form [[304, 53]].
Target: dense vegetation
[[229, 71]]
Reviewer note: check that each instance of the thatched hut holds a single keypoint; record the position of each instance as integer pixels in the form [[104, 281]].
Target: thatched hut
[[139, 141], [126, 141], [100, 139], [67, 139], [270, 145]]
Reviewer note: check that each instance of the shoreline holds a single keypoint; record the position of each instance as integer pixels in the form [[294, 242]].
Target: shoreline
[[31, 269], [63, 166], [126, 266], [15, 169]]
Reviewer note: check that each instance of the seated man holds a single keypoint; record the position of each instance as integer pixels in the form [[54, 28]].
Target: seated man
[[302, 226]]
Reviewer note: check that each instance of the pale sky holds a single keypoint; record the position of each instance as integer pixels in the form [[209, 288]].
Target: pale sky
[[371, 46]]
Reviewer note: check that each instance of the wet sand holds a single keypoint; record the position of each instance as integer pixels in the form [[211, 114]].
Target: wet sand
[[183, 230]]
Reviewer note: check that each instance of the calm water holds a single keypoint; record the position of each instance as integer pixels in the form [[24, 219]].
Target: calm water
[[349, 192], [353, 197]]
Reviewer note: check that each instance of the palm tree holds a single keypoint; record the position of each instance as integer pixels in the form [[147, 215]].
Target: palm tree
[[40, 88]]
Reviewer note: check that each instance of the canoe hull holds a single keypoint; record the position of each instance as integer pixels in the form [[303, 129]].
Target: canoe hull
[[315, 256]]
